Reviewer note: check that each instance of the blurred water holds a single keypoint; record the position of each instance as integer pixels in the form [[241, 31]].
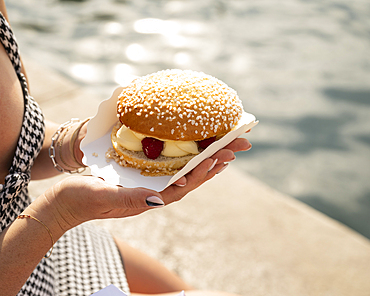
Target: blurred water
[[302, 67]]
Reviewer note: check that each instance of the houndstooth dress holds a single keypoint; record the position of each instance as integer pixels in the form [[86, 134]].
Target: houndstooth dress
[[85, 259]]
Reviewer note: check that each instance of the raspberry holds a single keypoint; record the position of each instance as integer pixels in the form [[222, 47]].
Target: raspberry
[[152, 147], [206, 142]]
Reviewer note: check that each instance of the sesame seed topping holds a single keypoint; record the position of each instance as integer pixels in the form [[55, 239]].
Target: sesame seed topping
[[174, 97]]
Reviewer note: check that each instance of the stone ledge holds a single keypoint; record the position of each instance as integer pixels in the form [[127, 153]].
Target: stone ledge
[[234, 233]]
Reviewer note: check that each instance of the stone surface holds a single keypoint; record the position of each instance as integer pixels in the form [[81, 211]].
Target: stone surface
[[234, 233]]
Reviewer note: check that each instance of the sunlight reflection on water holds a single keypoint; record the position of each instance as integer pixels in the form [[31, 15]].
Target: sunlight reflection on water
[[156, 26], [302, 67], [123, 74]]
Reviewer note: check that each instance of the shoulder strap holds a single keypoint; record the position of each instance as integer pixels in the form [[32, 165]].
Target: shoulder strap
[[9, 42]]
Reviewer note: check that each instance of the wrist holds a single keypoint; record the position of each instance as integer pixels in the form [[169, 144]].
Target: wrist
[[54, 208], [45, 209], [77, 137], [64, 198], [65, 150]]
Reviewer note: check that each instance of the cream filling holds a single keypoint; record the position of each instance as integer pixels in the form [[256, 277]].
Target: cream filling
[[131, 140]]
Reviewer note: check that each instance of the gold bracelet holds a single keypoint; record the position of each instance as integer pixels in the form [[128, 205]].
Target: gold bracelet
[[47, 228]]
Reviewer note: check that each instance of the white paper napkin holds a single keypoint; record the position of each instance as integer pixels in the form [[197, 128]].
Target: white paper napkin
[[112, 290]]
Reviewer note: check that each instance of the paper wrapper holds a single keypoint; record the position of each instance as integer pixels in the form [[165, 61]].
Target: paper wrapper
[[112, 290], [98, 141]]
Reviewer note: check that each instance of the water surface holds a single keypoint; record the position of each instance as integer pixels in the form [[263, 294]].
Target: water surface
[[302, 67]]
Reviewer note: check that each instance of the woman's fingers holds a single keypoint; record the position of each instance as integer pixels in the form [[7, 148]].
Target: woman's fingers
[[136, 198], [224, 155], [193, 179], [239, 144], [94, 198], [197, 176], [218, 167], [85, 198], [131, 198], [181, 182]]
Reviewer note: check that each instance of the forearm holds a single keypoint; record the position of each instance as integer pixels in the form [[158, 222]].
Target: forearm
[[43, 167], [24, 243], [67, 150]]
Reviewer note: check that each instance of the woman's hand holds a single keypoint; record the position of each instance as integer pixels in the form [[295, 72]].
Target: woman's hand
[[79, 199], [205, 171]]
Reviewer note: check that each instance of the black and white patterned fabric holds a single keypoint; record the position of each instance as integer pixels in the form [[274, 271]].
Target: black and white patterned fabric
[[85, 259]]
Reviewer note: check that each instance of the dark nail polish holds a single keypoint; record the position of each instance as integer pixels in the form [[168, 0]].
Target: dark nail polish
[[154, 201]]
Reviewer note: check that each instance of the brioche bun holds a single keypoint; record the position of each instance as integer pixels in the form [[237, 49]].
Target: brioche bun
[[179, 105], [174, 105]]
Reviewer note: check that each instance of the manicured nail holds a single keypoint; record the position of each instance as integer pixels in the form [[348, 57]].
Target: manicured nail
[[232, 159], [223, 168], [154, 201], [213, 165], [180, 182]]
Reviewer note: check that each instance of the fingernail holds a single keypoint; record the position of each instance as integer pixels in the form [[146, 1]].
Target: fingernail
[[213, 165], [154, 201], [180, 182], [223, 168], [232, 159]]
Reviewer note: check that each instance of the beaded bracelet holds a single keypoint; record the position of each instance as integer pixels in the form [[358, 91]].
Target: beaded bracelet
[[47, 228], [55, 141]]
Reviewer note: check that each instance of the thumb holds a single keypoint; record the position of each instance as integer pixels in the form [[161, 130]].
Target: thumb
[[136, 198]]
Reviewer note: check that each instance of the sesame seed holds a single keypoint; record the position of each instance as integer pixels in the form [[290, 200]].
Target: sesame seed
[[182, 95]]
